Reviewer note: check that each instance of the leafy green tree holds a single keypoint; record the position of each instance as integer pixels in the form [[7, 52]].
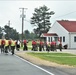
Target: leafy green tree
[[41, 19], [27, 34], [14, 34], [33, 35], [11, 33]]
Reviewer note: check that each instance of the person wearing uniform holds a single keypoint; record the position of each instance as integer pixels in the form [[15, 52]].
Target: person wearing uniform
[[12, 46], [2, 45], [6, 46], [53, 46], [48, 46], [60, 46], [41, 46], [34, 45], [9, 43]]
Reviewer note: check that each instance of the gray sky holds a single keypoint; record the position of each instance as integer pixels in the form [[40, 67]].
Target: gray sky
[[9, 10]]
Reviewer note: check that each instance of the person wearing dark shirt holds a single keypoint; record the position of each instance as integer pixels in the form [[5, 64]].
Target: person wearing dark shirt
[[25, 45]]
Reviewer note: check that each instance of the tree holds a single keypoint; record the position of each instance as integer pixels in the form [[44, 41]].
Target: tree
[[11, 33], [33, 36], [27, 34], [41, 19]]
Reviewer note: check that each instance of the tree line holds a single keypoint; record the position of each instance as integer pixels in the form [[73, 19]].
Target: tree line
[[13, 34]]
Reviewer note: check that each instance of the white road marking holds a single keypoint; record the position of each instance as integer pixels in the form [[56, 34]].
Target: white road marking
[[35, 66]]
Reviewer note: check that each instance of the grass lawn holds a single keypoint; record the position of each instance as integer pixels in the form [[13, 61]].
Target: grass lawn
[[29, 45], [60, 58]]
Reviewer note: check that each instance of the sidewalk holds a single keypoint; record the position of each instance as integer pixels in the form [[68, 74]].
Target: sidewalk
[[72, 51]]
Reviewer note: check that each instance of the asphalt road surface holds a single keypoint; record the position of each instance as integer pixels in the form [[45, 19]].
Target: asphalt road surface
[[13, 65]]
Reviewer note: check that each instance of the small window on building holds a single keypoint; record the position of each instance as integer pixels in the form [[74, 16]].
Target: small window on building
[[56, 38], [51, 39], [74, 38], [48, 39], [63, 38]]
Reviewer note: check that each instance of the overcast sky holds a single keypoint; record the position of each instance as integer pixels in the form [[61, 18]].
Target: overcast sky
[[9, 10]]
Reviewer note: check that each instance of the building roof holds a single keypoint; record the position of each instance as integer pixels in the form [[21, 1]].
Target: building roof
[[68, 25], [48, 34]]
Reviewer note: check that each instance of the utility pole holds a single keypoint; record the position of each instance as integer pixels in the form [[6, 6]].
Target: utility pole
[[9, 23], [22, 16], [8, 33]]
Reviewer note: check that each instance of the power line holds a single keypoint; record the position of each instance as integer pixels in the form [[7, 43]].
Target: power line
[[65, 14], [28, 21], [57, 16]]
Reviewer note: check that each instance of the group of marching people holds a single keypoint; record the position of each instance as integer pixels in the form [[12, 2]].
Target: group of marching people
[[10, 45], [37, 45], [7, 46], [40, 45]]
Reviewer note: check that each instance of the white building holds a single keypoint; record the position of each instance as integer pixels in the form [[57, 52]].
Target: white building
[[65, 30]]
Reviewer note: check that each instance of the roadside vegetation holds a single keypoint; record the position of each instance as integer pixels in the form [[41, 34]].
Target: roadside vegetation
[[60, 58]]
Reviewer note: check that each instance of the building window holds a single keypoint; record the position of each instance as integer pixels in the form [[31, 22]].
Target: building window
[[51, 39], [75, 39], [63, 38], [48, 39], [56, 38]]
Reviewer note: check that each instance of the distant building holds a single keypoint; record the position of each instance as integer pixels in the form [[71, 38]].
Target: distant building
[[64, 31]]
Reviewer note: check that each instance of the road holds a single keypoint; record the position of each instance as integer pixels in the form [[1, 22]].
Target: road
[[14, 65]]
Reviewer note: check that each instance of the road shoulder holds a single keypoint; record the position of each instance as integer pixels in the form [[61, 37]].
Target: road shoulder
[[39, 61]]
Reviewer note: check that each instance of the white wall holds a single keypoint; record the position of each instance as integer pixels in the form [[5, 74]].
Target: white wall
[[72, 44], [57, 28]]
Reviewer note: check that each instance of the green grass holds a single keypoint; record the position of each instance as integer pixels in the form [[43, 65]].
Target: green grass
[[29, 43], [60, 58]]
